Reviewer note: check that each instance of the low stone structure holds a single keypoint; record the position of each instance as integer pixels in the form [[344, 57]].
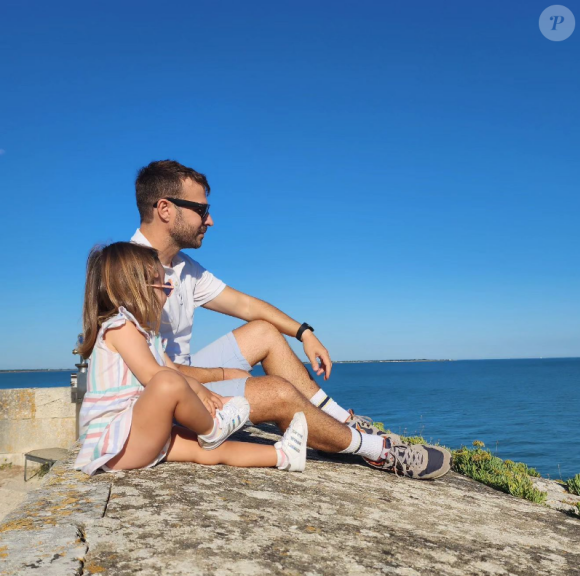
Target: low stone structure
[[33, 418], [338, 517]]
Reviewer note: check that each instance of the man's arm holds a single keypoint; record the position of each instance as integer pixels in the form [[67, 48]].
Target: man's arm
[[246, 307], [202, 375], [206, 375]]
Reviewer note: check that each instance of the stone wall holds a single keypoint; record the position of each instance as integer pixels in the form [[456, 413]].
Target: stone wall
[[34, 418]]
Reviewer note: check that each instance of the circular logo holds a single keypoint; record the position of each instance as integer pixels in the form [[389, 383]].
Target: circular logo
[[557, 23]]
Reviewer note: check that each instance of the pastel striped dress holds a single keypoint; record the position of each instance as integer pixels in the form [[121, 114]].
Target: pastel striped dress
[[112, 390]]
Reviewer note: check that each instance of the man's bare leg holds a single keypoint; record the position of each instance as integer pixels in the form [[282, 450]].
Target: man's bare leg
[[273, 399], [260, 341]]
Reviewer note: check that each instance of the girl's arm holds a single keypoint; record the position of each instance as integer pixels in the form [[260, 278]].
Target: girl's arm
[[211, 400], [133, 348]]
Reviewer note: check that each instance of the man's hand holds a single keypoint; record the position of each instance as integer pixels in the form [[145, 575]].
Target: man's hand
[[231, 373], [211, 400], [317, 354]]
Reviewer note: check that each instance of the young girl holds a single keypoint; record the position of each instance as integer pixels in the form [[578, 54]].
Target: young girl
[[134, 391]]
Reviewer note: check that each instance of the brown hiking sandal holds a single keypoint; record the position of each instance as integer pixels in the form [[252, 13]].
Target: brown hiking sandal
[[419, 461]]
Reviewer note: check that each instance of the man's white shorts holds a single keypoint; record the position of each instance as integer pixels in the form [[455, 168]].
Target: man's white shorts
[[223, 353]]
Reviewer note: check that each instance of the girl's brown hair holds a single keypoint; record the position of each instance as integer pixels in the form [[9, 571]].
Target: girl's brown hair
[[118, 275]]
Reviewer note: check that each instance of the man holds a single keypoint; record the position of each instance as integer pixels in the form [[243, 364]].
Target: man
[[172, 203]]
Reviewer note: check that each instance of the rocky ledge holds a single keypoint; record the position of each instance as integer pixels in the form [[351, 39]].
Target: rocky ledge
[[337, 517]]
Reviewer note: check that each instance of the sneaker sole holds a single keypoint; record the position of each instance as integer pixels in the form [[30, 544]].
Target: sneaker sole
[[391, 469]]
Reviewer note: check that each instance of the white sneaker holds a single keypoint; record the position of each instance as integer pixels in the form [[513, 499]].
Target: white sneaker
[[293, 444], [231, 418]]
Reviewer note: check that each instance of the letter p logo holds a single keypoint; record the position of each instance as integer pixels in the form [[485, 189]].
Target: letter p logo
[[557, 23], [557, 20]]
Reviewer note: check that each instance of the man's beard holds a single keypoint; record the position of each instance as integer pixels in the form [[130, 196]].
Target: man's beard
[[186, 236]]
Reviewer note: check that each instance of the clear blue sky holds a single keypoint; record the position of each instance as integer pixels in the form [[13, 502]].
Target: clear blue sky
[[402, 175]]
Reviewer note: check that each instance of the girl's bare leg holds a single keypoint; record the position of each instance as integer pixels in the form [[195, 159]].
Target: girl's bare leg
[[184, 448], [166, 396]]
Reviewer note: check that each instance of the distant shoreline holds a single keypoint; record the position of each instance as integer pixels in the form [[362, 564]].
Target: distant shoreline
[[24, 370], [383, 361], [38, 370]]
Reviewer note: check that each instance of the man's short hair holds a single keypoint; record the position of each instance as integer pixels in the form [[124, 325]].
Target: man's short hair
[[162, 179]]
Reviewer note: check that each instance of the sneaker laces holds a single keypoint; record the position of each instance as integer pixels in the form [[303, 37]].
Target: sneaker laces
[[404, 457], [287, 438], [227, 416], [358, 418], [287, 434]]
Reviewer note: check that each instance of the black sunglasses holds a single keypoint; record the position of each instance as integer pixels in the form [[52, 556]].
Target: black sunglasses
[[201, 209]]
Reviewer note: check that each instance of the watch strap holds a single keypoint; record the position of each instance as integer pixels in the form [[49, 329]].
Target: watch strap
[[301, 330]]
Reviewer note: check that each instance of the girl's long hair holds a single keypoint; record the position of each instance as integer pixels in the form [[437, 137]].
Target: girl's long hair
[[118, 275]]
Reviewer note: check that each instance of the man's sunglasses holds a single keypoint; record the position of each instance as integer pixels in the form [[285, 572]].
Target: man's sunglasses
[[201, 209], [167, 288]]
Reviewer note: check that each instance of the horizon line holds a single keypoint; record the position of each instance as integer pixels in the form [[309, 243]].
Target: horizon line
[[13, 370]]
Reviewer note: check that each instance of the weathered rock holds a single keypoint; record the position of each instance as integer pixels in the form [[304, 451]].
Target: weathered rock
[[334, 518], [558, 497]]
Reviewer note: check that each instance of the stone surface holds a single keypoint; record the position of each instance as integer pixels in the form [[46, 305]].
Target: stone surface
[[33, 418], [17, 403], [336, 517], [558, 496], [13, 489]]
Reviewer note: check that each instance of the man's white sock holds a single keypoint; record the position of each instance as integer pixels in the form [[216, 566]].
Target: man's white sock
[[370, 446], [328, 405]]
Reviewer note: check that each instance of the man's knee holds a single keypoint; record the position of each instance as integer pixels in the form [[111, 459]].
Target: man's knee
[[275, 390], [263, 330]]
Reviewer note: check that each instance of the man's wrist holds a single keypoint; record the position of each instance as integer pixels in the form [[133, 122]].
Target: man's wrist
[[303, 328]]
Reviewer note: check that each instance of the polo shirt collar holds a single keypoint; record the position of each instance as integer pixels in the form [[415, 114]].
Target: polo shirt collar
[[178, 261]]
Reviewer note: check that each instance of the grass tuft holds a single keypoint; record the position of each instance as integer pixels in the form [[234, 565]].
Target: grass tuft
[[573, 485], [414, 440], [43, 470], [406, 439], [505, 475]]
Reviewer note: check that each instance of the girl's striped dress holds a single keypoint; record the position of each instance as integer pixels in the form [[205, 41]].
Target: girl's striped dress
[[112, 390]]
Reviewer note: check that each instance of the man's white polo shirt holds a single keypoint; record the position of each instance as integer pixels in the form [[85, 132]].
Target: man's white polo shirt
[[194, 286]]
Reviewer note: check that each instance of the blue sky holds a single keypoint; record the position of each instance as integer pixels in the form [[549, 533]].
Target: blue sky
[[403, 176]]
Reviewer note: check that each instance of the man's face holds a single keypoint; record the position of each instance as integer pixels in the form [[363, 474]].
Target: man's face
[[188, 228]]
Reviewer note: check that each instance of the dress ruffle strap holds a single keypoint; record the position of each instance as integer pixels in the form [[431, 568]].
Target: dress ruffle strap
[[119, 320]]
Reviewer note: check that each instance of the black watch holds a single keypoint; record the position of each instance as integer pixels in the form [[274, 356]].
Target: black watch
[[301, 331]]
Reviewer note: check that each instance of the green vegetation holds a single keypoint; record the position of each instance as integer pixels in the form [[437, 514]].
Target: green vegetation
[[573, 485], [43, 470], [5, 465], [406, 439], [505, 475]]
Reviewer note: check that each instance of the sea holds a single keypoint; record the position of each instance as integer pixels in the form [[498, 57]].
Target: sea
[[523, 410]]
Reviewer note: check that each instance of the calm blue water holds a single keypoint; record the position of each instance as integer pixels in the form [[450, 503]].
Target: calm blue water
[[527, 410], [34, 379]]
